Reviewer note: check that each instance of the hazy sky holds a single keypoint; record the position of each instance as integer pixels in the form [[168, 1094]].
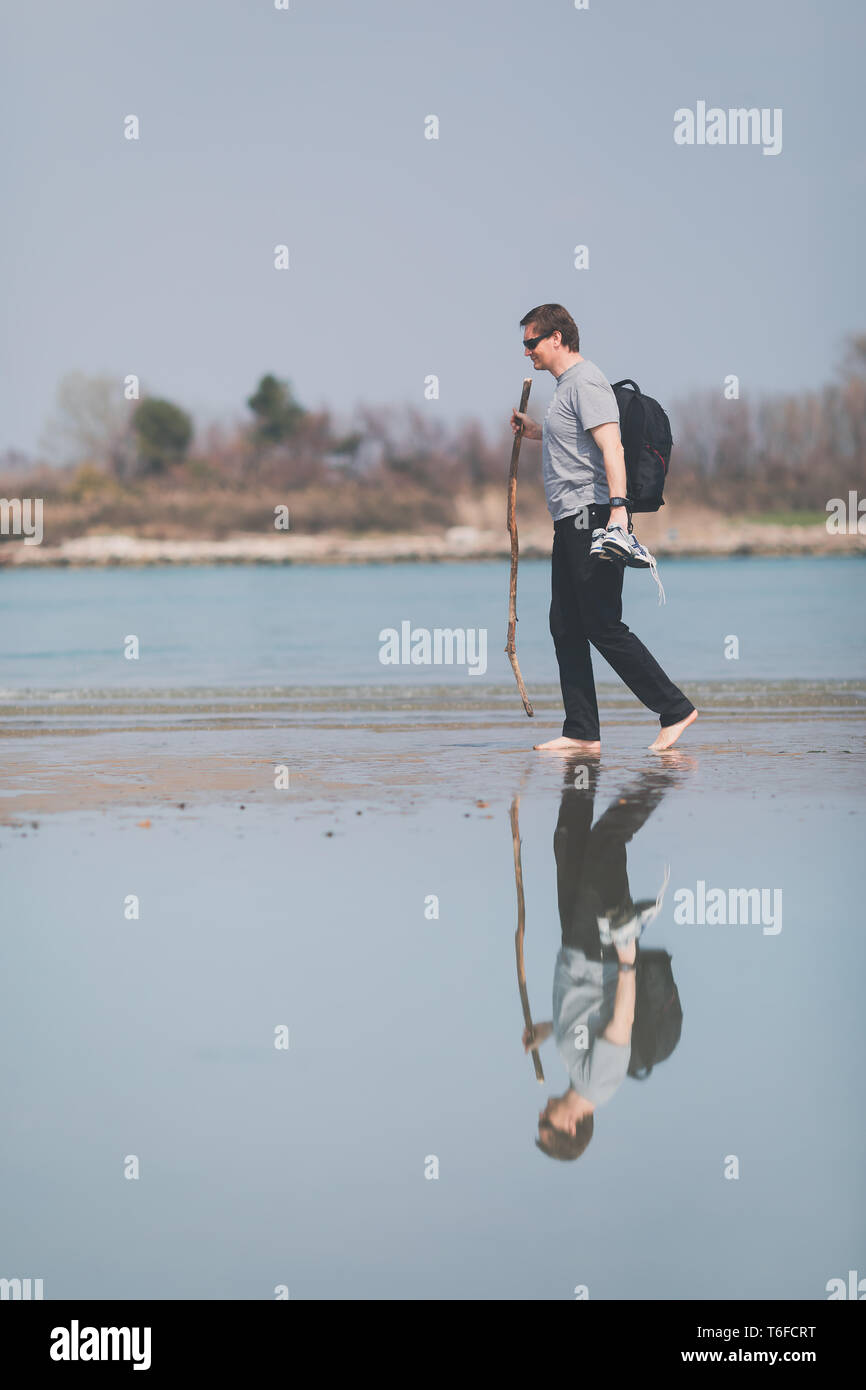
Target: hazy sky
[[410, 256]]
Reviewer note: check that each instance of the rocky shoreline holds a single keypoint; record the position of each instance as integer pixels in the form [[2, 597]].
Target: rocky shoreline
[[718, 538]]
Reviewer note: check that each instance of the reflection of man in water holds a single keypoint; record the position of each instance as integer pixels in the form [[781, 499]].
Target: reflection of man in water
[[594, 982]]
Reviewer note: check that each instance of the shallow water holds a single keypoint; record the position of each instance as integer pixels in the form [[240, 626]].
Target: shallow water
[[249, 626], [305, 1167], [307, 906]]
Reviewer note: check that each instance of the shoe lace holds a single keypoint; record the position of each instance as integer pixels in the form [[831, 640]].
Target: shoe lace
[[661, 893], [654, 571], [649, 914]]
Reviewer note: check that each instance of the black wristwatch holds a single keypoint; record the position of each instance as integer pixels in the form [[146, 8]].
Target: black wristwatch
[[619, 501], [627, 965]]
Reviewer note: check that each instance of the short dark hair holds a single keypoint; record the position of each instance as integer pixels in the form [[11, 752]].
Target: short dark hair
[[566, 1146], [550, 317]]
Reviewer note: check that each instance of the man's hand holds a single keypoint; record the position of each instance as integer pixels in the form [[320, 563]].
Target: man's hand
[[530, 429], [540, 1031], [627, 954]]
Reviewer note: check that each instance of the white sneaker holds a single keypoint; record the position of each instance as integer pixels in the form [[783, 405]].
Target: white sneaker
[[624, 545], [596, 549], [630, 927]]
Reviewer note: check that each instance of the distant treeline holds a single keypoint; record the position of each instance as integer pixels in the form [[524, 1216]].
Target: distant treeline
[[141, 465]]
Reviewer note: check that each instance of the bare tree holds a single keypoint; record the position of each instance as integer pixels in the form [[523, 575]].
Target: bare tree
[[90, 424]]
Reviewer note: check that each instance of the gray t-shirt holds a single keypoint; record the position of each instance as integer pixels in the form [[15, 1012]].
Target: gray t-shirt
[[572, 463], [583, 994]]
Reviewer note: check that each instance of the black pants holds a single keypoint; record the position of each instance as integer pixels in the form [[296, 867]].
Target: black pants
[[591, 872], [586, 607]]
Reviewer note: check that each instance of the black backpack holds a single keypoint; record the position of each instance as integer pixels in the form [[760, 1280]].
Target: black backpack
[[658, 1014], [646, 440]]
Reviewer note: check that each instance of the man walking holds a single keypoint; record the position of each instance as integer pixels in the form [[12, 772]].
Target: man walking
[[583, 465], [594, 982]]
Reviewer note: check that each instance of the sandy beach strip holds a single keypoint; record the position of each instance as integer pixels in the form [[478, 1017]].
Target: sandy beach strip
[[340, 749], [715, 536]]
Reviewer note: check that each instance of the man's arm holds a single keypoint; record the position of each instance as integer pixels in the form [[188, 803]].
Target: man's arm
[[607, 437], [540, 1032], [619, 1028], [530, 429]]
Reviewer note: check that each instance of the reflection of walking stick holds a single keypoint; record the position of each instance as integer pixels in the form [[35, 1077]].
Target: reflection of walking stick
[[518, 936], [512, 530]]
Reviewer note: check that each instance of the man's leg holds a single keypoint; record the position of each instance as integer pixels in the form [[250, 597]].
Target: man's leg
[[577, 916], [571, 644], [606, 851], [598, 585]]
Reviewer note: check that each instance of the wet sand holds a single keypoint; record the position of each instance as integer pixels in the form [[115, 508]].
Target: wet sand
[[150, 1032], [156, 753]]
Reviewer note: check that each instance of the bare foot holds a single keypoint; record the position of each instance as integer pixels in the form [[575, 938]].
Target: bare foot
[[668, 736], [675, 758], [571, 745]]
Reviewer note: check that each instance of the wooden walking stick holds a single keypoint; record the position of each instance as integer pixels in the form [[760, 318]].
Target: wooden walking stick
[[512, 530], [518, 936]]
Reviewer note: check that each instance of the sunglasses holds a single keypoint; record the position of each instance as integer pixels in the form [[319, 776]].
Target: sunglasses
[[532, 343]]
